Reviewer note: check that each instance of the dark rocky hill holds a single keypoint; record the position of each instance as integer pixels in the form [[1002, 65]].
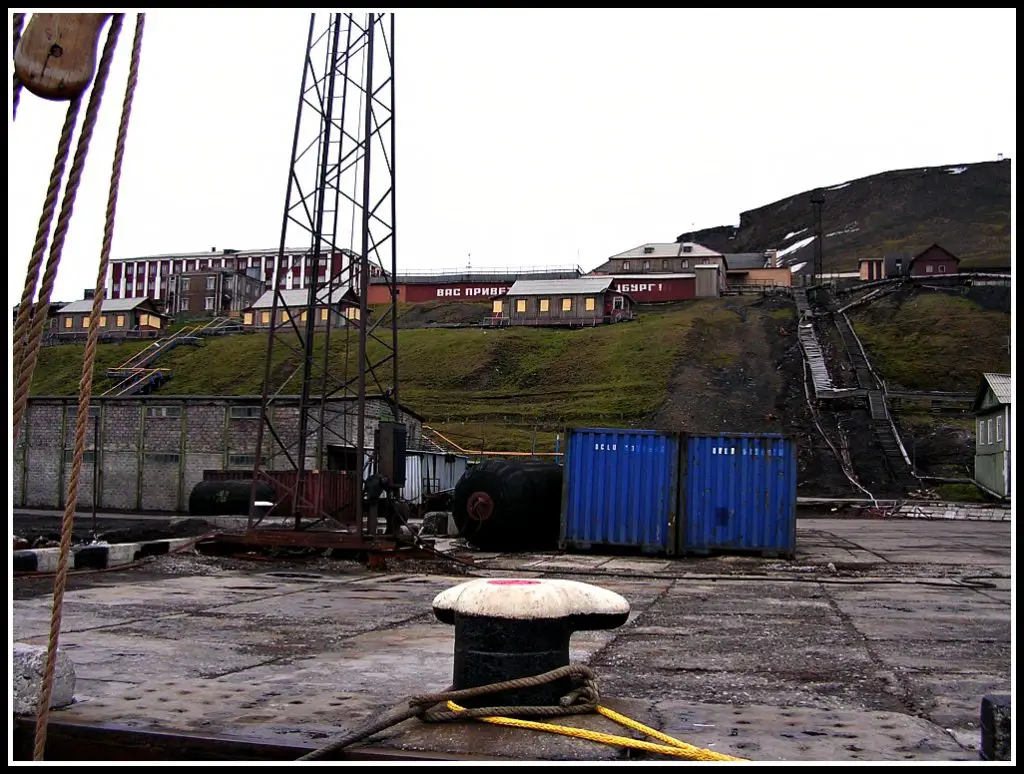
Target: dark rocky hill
[[963, 207]]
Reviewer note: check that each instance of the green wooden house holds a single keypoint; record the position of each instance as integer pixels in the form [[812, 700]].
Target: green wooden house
[[992, 465]]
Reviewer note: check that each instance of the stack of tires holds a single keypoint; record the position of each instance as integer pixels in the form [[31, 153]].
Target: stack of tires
[[509, 506]]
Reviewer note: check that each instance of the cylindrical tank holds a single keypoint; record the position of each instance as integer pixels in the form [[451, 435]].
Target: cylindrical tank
[[509, 506], [227, 498]]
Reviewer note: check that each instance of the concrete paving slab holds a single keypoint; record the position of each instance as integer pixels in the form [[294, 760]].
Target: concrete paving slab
[[100, 655], [764, 733], [933, 628], [949, 657]]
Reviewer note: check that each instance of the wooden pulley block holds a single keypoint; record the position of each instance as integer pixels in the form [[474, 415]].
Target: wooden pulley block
[[57, 54]]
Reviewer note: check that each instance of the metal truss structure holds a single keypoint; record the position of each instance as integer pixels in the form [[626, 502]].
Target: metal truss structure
[[341, 199]]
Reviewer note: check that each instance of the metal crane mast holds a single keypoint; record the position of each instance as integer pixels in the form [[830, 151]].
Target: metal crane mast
[[340, 208]]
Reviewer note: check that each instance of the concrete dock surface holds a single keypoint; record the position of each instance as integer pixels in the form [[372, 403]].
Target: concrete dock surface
[[877, 643]]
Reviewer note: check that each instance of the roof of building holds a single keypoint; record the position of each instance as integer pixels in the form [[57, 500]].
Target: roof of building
[[1001, 386], [933, 246], [668, 250], [501, 276], [300, 297], [577, 286], [744, 261], [654, 276], [226, 253], [109, 305]]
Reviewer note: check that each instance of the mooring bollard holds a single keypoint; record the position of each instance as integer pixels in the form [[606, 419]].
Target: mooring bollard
[[510, 628]]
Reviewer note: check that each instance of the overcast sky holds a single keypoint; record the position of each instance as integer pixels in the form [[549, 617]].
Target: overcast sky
[[530, 137]]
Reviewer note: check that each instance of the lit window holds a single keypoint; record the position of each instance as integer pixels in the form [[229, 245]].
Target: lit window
[[303, 316], [589, 305], [352, 313], [103, 321], [545, 305], [520, 304], [85, 322], [566, 304], [265, 318], [247, 318], [496, 307], [120, 321], [284, 316], [323, 315]]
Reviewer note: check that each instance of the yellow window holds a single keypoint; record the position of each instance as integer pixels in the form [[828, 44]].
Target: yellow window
[[265, 318], [496, 307], [545, 305], [103, 321], [284, 316], [566, 304], [352, 313], [85, 322], [154, 321], [590, 305], [521, 305], [323, 315], [68, 322], [302, 317], [247, 318], [120, 321]]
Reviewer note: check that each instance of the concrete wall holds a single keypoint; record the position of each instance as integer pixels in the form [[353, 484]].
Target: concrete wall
[[153, 450]]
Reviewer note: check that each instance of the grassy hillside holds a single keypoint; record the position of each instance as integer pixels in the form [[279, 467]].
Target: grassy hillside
[[483, 387], [922, 340]]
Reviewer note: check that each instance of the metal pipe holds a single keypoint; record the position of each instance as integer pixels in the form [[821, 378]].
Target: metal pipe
[[364, 270]]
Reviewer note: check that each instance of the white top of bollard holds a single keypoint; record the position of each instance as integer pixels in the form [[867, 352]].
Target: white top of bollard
[[529, 599]]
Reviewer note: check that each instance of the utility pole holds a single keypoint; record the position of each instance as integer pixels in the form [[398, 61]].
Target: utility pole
[[817, 202]]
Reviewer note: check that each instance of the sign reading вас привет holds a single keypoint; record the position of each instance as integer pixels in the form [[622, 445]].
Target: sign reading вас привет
[[483, 291]]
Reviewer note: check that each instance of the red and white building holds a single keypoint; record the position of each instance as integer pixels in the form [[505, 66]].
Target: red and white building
[[148, 277]]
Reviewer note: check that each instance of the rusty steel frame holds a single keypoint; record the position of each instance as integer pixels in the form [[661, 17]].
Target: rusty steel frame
[[347, 95]]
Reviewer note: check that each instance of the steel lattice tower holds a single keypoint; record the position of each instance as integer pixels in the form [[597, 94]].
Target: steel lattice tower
[[340, 201]]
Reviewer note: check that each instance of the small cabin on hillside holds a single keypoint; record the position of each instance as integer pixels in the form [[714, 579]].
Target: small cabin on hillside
[[125, 317], [992, 407], [586, 301], [889, 266], [293, 305], [933, 261]]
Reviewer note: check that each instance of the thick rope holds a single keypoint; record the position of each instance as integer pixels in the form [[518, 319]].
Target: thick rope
[[19, 23], [38, 321], [671, 746], [580, 701], [25, 309], [85, 385]]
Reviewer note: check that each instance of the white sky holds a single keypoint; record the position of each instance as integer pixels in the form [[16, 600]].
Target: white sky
[[529, 137]]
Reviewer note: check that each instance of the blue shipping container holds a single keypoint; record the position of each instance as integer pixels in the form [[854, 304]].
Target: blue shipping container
[[620, 488], [739, 494]]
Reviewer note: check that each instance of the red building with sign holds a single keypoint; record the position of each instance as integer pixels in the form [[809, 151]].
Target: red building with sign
[[657, 288], [479, 286]]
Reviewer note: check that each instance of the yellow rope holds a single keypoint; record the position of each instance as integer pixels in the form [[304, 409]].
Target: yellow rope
[[672, 746]]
